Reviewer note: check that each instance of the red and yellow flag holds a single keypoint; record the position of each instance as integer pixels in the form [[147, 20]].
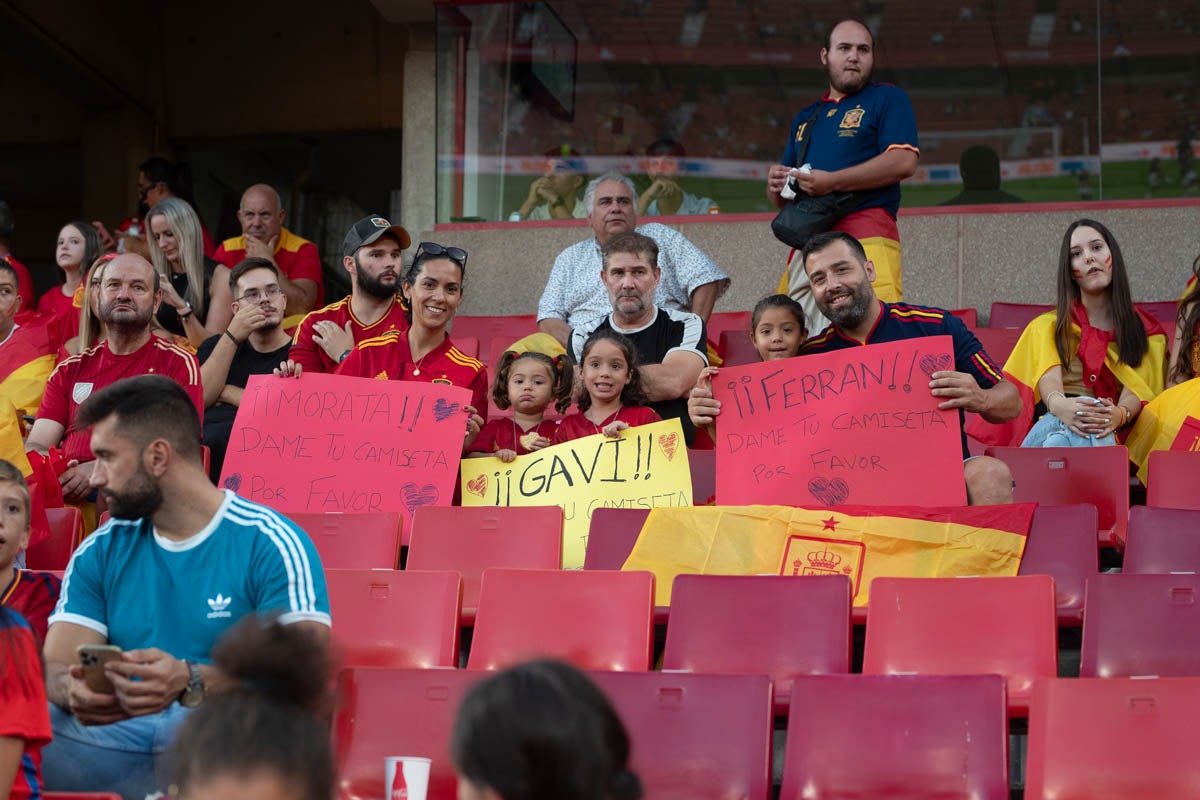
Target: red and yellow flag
[[862, 542], [1035, 353], [1160, 422], [26, 360]]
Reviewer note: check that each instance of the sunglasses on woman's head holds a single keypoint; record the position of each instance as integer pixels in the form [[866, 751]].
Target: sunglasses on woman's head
[[455, 254]]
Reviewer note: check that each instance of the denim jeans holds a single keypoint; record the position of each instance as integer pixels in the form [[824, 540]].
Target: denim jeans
[[1050, 431], [126, 757]]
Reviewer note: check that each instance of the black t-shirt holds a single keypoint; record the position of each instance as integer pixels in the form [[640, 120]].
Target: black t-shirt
[[168, 317], [246, 362], [669, 331]]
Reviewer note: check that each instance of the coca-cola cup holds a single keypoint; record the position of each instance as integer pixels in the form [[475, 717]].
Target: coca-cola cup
[[406, 777]]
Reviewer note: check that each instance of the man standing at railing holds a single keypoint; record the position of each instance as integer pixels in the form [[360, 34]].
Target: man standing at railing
[[863, 140]]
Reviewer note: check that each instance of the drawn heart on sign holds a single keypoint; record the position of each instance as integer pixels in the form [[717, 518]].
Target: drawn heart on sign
[[233, 482], [930, 364], [478, 486], [442, 409], [417, 496], [669, 443], [829, 491]]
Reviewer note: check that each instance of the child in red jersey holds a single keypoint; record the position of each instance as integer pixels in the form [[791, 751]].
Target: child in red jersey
[[527, 382], [33, 594], [612, 398], [24, 715]]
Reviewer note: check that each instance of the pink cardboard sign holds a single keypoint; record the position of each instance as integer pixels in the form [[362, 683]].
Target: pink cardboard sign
[[853, 426], [332, 443]]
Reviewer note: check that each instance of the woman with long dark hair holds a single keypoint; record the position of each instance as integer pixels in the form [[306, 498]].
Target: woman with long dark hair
[[1086, 368]]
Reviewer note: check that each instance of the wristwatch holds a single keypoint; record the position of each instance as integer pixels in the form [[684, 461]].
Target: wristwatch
[[193, 693]]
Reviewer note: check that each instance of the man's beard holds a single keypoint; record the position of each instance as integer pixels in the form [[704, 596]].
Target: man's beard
[[849, 316], [840, 82], [139, 319], [374, 285], [140, 499]]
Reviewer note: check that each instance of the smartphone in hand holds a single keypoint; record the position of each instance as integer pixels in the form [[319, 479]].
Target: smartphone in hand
[[93, 657]]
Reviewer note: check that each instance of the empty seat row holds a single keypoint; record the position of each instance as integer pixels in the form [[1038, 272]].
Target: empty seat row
[[709, 736]]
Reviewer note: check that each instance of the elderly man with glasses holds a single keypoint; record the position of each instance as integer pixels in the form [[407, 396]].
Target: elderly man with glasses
[[253, 344]]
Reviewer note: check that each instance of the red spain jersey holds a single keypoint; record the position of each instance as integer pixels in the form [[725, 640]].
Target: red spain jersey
[[297, 258], [577, 426], [505, 434], [33, 595], [24, 714], [74, 380], [387, 358], [313, 358]]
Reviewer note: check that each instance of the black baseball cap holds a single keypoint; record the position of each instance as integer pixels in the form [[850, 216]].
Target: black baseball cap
[[368, 230]]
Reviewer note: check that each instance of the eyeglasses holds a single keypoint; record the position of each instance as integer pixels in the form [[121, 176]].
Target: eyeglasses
[[144, 190], [455, 254], [254, 295]]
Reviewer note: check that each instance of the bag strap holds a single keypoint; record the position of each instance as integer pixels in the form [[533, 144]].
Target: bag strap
[[808, 127]]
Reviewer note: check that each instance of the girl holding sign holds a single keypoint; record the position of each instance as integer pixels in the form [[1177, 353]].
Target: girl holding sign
[[778, 330], [613, 398], [527, 382]]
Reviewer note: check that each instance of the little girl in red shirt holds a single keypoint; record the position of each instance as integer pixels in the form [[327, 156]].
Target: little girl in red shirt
[[527, 383], [612, 398]]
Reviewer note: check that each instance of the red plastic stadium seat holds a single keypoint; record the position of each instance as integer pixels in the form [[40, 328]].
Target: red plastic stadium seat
[[1162, 541], [1113, 739], [964, 626], [1173, 479], [53, 552], [969, 316], [1015, 315], [395, 619], [389, 712], [752, 624], [612, 533], [594, 620], [1062, 544], [1139, 625], [354, 541], [503, 329], [897, 736], [721, 321], [703, 465], [737, 348], [1164, 311], [695, 736], [998, 343], [470, 540], [1069, 475]]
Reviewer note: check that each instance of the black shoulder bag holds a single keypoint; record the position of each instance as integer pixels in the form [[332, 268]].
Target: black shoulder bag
[[804, 216]]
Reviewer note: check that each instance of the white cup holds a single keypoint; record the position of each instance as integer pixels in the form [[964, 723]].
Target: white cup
[[406, 777]]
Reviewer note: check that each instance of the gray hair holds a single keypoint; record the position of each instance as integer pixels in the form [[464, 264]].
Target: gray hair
[[589, 194]]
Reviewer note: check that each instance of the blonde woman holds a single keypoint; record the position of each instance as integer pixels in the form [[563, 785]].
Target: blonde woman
[[196, 299]]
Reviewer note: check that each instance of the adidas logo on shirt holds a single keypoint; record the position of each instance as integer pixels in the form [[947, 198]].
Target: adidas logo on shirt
[[218, 605]]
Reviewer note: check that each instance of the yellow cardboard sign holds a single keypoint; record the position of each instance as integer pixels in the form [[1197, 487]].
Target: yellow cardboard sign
[[647, 467]]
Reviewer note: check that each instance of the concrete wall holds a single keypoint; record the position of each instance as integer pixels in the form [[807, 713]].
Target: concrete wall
[[952, 260]]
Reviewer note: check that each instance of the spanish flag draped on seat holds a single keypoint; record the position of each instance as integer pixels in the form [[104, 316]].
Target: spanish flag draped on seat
[[863, 542], [1035, 353]]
